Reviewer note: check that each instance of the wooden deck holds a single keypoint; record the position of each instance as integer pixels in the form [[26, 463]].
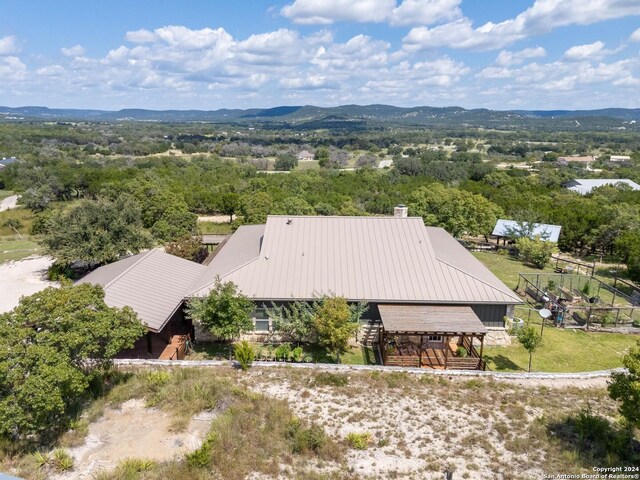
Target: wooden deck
[[436, 356], [176, 350]]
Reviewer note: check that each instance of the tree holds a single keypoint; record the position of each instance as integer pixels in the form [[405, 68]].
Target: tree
[[535, 251], [189, 247], [52, 346], [255, 207], [628, 247], [530, 339], [285, 163], [225, 312], [456, 211], [294, 320], [95, 231], [175, 224], [229, 204], [334, 324], [294, 206], [625, 387]]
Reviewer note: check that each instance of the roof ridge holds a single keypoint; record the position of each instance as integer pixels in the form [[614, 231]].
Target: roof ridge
[[191, 292], [144, 255], [473, 276]]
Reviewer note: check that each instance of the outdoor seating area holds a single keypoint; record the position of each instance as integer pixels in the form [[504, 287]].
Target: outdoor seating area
[[428, 336]]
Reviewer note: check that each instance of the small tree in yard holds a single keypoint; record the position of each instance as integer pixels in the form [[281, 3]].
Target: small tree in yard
[[625, 387], [334, 324], [225, 312], [535, 251], [245, 354], [294, 320], [530, 339]]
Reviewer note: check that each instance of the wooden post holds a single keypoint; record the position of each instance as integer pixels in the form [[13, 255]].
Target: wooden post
[[481, 351], [383, 353], [420, 352], [446, 351]]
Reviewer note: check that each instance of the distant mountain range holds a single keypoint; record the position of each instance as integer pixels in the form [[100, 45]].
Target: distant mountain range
[[347, 116]]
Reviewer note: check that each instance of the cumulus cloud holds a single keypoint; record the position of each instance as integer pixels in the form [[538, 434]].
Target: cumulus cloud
[[585, 52], [408, 12], [75, 51], [12, 69], [542, 17], [635, 36], [506, 58], [8, 45]]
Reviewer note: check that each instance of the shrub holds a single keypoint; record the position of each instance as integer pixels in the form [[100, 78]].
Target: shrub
[[131, 468], [157, 379], [586, 289], [58, 271], [305, 439], [537, 252], [331, 379], [462, 352], [297, 354], [201, 457], [245, 354], [282, 352], [61, 460], [359, 441]]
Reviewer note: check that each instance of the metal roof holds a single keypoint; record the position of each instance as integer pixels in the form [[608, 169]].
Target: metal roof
[[550, 233], [153, 284], [585, 185], [381, 259], [430, 319]]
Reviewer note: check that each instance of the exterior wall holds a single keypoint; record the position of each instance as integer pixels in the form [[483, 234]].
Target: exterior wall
[[491, 315]]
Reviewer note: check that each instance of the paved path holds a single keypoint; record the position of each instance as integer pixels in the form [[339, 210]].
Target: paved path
[[9, 202]]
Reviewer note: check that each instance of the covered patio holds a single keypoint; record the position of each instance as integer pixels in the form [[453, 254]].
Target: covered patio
[[431, 336]]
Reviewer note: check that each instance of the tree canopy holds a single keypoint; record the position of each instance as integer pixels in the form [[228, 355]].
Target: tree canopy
[[95, 231], [52, 345]]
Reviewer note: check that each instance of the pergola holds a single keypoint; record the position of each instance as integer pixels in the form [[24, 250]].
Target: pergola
[[430, 335]]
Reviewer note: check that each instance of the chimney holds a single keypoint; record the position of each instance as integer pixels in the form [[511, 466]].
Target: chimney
[[400, 211]]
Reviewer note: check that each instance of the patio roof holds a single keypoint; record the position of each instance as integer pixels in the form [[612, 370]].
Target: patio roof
[[431, 319]]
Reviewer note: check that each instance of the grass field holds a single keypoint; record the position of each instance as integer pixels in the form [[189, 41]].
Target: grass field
[[23, 216], [16, 249], [213, 228], [562, 350], [5, 193]]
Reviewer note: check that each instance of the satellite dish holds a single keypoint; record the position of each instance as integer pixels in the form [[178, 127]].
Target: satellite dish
[[545, 313]]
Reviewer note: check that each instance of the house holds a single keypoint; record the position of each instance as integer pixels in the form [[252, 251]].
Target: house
[[564, 161], [7, 161], [305, 156], [505, 229], [619, 158], [584, 186], [154, 285], [426, 292]]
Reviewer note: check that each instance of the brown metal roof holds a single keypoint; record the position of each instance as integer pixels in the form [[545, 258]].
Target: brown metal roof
[[453, 319], [381, 259], [153, 284]]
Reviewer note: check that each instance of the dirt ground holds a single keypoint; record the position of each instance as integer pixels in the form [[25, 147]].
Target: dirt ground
[[133, 431], [21, 278], [8, 203]]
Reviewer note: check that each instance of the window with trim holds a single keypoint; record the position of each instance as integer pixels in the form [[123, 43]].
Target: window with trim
[[261, 320], [435, 338]]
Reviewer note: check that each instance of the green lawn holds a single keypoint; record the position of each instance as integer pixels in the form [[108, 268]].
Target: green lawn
[[15, 249], [23, 216], [507, 268], [564, 351], [213, 228]]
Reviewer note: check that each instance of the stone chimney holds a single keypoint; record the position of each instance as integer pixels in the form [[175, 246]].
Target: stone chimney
[[400, 211]]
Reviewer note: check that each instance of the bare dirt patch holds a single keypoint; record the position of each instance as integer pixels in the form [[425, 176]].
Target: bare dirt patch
[[22, 278], [134, 431]]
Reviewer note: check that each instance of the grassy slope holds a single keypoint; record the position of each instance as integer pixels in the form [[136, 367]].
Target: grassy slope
[[16, 249], [561, 350]]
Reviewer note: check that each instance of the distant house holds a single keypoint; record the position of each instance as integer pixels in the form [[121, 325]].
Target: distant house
[[427, 295], [564, 161], [305, 156], [619, 158], [584, 186], [505, 229], [7, 161]]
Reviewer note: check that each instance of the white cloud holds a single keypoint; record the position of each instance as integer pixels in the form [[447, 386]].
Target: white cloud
[[635, 36], [507, 58], [51, 71], [542, 17], [75, 51], [328, 11], [589, 51], [408, 12], [12, 69], [141, 36], [425, 12], [8, 45]]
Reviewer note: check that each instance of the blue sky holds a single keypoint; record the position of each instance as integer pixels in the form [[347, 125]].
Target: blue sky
[[161, 54]]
